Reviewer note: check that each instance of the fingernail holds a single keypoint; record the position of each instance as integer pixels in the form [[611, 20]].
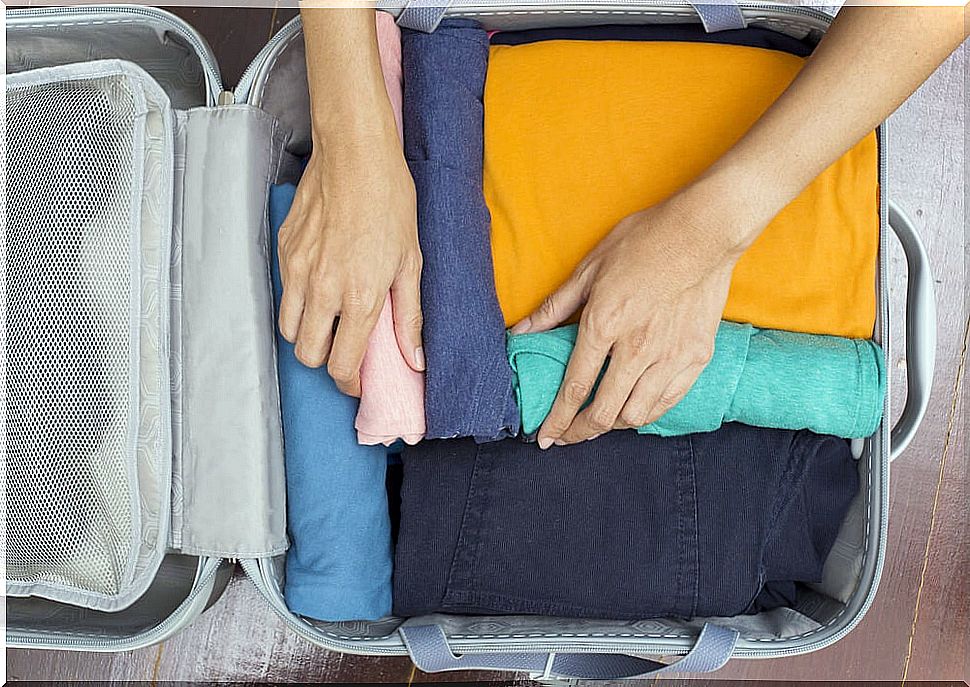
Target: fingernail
[[559, 442], [419, 357], [522, 327], [544, 443]]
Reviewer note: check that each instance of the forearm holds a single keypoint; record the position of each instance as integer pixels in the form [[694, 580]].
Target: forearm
[[870, 61], [348, 100]]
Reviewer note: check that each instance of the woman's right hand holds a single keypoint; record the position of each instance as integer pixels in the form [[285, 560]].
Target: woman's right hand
[[350, 237]]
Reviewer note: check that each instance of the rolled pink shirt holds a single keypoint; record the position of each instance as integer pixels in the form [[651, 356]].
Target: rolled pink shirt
[[391, 393]]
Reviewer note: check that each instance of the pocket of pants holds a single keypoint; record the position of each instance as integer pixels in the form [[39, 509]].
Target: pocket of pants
[[604, 529]]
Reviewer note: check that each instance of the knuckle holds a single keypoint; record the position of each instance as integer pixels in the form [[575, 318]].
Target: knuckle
[[361, 300], [634, 417], [294, 265], [705, 356], [548, 307], [413, 263], [600, 326], [639, 340], [308, 358], [576, 391], [413, 321], [601, 418], [669, 398], [318, 278], [340, 372], [556, 425]]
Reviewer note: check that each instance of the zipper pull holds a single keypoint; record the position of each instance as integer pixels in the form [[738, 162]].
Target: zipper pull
[[226, 97]]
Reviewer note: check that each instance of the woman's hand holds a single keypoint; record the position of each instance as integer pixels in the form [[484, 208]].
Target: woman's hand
[[351, 236], [654, 290]]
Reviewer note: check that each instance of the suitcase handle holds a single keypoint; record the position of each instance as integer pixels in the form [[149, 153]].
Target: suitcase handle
[[920, 331], [430, 652], [715, 15]]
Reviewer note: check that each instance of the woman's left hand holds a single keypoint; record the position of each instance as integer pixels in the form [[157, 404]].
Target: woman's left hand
[[654, 290]]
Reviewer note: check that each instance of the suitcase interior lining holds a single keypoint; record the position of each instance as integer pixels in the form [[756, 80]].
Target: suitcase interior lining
[[163, 54]]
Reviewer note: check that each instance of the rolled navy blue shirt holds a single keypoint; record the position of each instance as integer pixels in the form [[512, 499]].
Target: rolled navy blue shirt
[[468, 383]]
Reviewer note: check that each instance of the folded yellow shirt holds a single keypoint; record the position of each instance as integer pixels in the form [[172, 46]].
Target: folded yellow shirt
[[579, 134]]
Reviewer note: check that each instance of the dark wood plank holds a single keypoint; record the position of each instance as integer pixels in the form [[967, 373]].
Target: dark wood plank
[[942, 614], [235, 34]]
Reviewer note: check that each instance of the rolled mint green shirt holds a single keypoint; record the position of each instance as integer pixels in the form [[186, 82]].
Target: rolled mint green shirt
[[759, 377]]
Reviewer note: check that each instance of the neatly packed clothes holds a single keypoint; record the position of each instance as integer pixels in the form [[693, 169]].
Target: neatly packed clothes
[[468, 383], [391, 392], [579, 134], [624, 527], [766, 378], [752, 37], [338, 566]]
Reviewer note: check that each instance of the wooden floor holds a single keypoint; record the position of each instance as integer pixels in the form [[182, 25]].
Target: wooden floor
[[919, 626]]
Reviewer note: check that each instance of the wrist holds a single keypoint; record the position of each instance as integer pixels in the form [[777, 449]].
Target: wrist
[[733, 203], [352, 125]]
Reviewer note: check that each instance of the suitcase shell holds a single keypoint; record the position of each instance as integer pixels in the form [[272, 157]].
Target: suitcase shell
[[188, 583]]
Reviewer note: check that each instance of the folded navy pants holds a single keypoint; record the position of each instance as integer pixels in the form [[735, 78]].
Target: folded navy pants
[[623, 527]]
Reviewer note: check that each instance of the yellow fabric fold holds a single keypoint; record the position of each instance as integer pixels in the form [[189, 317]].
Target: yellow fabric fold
[[579, 134]]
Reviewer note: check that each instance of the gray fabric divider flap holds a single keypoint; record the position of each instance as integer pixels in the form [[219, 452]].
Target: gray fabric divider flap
[[233, 494]]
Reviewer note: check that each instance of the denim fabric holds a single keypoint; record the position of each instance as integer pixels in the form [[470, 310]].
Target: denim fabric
[[468, 383], [760, 377], [338, 566], [623, 527], [752, 37]]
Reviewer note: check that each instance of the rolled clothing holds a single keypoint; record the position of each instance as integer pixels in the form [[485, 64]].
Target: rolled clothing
[[391, 392], [468, 382], [338, 566], [752, 36], [623, 527], [765, 378]]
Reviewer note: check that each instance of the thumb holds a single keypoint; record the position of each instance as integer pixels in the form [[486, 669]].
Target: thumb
[[556, 309], [406, 308]]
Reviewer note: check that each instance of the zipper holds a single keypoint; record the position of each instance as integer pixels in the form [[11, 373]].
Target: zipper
[[203, 584], [253, 571], [243, 90], [160, 17]]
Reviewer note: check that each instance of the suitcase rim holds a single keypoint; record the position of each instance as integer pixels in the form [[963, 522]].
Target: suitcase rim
[[260, 570]]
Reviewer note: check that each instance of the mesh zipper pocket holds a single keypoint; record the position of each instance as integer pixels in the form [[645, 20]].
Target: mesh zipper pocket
[[87, 247]]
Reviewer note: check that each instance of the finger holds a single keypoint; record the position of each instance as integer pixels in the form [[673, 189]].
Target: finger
[[291, 311], [612, 393], [316, 328], [349, 345], [556, 309], [406, 302], [646, 394], [582, 371], [674, 393], [293, 299]]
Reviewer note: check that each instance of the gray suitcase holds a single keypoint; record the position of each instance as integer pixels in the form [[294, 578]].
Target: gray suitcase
[[208, 485]]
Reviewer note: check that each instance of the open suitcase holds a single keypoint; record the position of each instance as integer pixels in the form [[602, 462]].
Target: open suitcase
[[208, 485]]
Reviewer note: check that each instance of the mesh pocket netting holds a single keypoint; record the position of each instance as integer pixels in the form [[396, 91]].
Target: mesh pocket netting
[[72, 333]]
